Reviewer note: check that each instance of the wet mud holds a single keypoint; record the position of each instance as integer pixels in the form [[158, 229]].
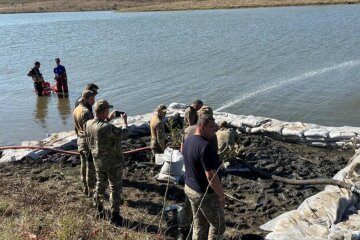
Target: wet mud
[[254, 200]]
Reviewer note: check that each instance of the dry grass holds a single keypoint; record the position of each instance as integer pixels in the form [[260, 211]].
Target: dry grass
[[45, 202], [11, 6]]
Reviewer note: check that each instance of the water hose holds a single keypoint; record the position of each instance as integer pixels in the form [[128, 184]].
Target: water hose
[[334, 182], [66, 152]]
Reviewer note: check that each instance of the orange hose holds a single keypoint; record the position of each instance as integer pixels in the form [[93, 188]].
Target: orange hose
[[63, 151]]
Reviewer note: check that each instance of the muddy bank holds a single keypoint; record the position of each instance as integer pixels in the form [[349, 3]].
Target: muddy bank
[[258, 200]]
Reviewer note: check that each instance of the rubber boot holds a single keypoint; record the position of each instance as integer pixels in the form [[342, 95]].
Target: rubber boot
[[116, 219]]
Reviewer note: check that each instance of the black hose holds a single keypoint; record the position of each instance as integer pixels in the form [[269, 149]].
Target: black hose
[[334, 182]]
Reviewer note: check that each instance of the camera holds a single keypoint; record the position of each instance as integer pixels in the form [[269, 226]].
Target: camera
[[119, 113]]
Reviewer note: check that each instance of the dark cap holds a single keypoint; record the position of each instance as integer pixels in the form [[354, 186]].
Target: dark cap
[[57, 59], [197, 102], [90, 86], [161, 108], [101, 105], [37, 63]]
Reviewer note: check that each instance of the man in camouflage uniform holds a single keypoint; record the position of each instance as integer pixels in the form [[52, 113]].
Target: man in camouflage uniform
[[202, 181], [227, 139], [81, 115], [190, 114], [104, 140], [187, 216], [157, 129]]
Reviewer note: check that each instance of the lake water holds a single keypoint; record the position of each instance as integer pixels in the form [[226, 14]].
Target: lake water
[[288, 63]]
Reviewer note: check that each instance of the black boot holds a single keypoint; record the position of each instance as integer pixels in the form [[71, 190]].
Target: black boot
[[100, 212], [116, 219], [183, 234]]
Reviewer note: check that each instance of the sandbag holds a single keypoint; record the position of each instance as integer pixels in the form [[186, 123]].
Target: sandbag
[[317, 133], [294, 130], [273, 127], [253, 121], [173, 163], [341, 133], [138, 128], [177, 105], [238, 121], [317, 144]]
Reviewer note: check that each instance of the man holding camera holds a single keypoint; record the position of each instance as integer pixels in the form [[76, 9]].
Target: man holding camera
[[81, 115], [104, 140]]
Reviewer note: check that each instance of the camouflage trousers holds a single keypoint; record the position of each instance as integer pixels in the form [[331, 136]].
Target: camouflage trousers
[[87, 169], [209, 220], [155, 148], [186, 216], [108, 173]]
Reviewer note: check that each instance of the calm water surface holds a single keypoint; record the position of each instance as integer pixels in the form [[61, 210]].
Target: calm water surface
[[289, 63]]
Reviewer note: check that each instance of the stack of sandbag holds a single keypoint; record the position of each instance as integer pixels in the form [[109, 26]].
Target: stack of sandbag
[[328, 215], [63, 140], [172, 162]]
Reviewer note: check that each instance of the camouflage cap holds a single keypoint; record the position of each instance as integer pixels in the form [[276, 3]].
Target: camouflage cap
[[205, 111], [101, 105], [86, 94], [161, 108]]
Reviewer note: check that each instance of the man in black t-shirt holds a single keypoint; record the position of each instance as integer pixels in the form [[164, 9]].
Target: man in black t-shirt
[[202, 181], [92, 87], [37, 78]]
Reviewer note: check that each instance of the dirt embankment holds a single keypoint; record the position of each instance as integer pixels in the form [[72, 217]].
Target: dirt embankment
[[50, 189], [149, 5]]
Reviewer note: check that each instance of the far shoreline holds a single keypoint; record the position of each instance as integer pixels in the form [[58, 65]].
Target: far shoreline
[[164, 5]]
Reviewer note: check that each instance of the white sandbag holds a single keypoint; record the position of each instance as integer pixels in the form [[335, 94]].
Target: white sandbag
[[317, 133], [55, 140], [177, 105], [144, 117], [256, 130], [324, 215], [273, 127], [222, 116], [14, 155], [139, 128], [318, 139], [294, 130], [317, 144], [348, 229], [173, 162], [253, 121], [238, 121], [165, 178], [339, 134]]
